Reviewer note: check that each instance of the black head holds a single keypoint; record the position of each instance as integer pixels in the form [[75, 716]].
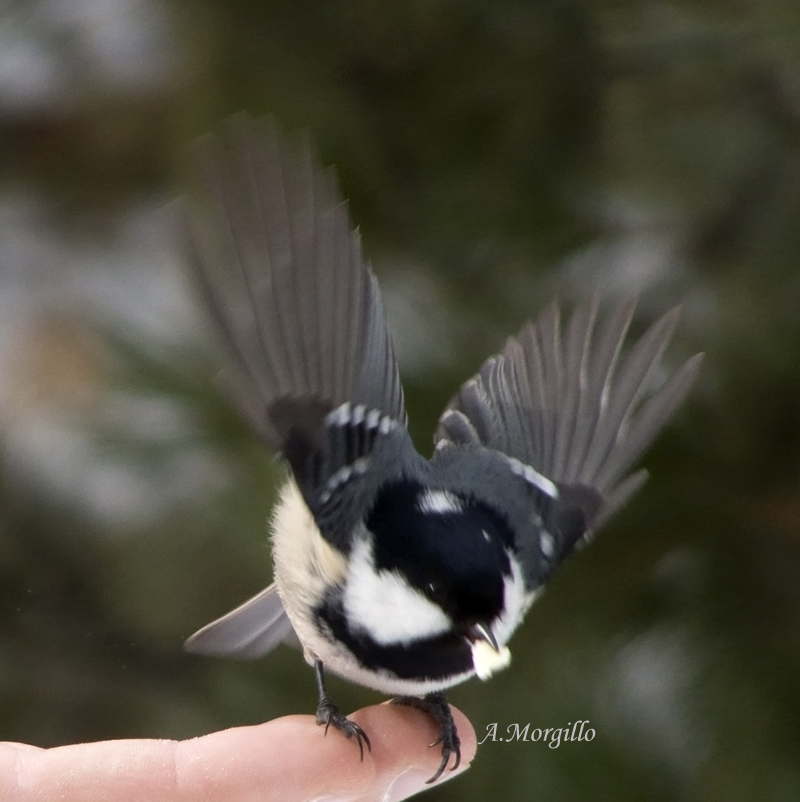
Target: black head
[[451, 548]]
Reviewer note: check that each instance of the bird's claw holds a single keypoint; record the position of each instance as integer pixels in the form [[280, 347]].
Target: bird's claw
[[329, 714], [437, 707]]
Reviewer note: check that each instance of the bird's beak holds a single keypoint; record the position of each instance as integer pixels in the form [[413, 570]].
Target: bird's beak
[[482, 632], [488, 657]]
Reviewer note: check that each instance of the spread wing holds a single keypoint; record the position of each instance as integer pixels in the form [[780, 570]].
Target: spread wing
[[571, 403], [271, 248]]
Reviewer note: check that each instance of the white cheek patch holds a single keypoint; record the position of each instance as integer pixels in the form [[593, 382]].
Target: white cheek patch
[[485, 660], [517, 601], [385, 606], [547, 545]]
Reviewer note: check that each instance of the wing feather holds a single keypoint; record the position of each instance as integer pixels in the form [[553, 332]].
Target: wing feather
[[251, 630], [279, 267], [571, 401]]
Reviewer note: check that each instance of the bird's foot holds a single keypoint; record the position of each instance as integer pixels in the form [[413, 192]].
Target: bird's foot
[[330, 715], [437, 707]]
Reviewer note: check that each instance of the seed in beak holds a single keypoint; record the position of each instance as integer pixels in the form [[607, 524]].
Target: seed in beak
[[487, 656]]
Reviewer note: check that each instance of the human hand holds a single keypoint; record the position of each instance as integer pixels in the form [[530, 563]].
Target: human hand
[[286, 760]]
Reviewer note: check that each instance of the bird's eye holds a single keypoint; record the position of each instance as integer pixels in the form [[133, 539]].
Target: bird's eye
[[432, 588]]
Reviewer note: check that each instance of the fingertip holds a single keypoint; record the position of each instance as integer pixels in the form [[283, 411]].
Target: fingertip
[[402, 750], [295, 759]]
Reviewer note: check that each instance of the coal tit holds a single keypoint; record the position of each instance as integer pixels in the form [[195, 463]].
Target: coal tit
[[404, 574]]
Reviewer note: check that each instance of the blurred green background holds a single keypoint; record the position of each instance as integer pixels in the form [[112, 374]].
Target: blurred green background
[[495, 154]]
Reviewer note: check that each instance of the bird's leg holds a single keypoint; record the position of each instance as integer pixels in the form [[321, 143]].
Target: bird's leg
[[328, 713], [437, 707]]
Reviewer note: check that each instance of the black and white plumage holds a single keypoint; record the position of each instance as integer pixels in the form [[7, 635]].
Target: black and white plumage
[[403, 574]]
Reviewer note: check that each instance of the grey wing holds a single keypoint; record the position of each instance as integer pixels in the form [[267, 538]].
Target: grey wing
[[251, 630], [271, 248], [571, 402]]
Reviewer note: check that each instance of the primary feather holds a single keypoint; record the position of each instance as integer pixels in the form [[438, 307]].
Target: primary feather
[[272, 251]]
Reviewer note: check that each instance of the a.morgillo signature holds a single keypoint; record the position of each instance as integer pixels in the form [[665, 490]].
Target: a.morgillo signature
[[553, 737]]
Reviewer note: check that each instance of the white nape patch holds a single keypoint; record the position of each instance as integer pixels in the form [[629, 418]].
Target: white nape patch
[[533, 477], [439, 502], [547, 545], [384, 605], [487, 661]]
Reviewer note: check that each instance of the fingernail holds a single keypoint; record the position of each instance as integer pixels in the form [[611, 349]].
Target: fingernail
[[410, 782]]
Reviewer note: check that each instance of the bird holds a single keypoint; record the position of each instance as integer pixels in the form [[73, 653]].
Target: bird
[[401, 573]]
